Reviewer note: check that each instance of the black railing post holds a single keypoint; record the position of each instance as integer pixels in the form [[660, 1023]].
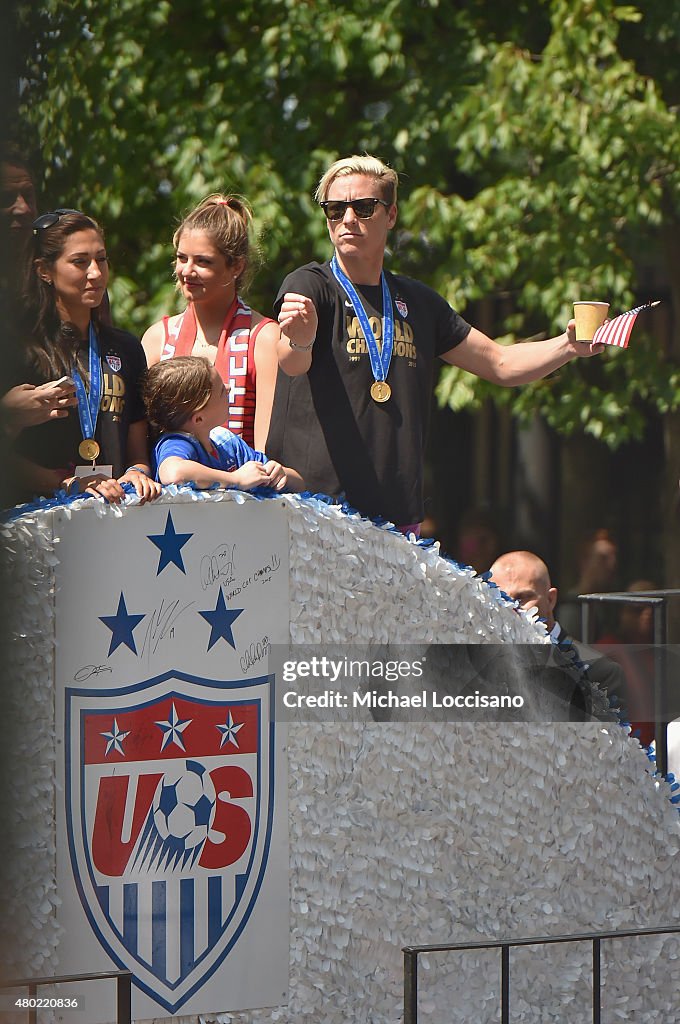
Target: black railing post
[[124, 999], [658, 601], [32, 1013], [585, 622], [597, 1009], [505, 984], [505, 945], [410, 986], [660, 682]]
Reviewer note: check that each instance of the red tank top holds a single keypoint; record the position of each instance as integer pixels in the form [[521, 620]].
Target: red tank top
[[234, 360]]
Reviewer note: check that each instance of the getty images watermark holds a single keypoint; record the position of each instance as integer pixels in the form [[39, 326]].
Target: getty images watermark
[[334, 686]]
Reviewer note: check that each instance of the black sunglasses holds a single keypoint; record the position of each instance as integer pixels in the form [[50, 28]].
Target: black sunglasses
[[335, 209], [48, 220]]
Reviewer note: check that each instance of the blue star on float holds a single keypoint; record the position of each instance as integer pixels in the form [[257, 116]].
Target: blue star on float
[[221, 619], [173, 728], [170, 545], [229, 730], [114, 739], [122, 626]]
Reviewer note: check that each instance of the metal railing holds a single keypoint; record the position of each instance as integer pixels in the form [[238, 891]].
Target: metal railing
[[411, 954], [658, 600], [123, 990]]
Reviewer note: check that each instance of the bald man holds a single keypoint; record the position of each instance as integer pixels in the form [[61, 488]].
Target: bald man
[[525, 578]]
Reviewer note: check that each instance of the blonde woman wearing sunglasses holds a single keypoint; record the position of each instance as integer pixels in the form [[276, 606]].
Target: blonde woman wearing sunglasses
[[357, 354]]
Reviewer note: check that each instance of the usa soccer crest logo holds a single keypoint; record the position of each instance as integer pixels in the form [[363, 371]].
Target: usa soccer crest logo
[[114, 362], [402, 307], [169, 809]]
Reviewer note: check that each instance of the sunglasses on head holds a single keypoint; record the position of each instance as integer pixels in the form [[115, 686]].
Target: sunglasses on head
[[48, 220], [335, 209]]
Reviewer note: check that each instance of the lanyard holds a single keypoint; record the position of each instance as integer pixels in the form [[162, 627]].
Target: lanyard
[[89, 402], [380, 358]]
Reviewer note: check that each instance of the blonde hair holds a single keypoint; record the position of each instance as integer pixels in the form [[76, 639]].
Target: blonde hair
[[386, 178], [228, 221], [173, 390]]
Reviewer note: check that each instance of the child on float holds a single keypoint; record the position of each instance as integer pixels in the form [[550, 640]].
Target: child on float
[[187, 400]]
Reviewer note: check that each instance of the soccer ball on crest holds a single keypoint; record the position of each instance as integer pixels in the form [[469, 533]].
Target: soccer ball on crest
[[184, 804]]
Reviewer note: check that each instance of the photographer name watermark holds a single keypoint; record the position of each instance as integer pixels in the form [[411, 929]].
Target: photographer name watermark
[[372, 699], [336, 688]]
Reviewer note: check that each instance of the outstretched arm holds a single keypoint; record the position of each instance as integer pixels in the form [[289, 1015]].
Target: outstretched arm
[[175, 470], [510, 365]]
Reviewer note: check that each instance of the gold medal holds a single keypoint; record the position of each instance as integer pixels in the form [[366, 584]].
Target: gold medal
[[380, 391], [88, 449]]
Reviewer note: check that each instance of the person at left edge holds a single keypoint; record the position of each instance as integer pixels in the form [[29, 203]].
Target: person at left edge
[[66, 283], [24, 404]]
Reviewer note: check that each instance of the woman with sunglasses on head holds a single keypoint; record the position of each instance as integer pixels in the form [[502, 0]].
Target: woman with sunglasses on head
[[212, 256], [102, 442]]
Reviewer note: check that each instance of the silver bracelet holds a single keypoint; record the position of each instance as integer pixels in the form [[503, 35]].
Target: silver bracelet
[[301, 348]]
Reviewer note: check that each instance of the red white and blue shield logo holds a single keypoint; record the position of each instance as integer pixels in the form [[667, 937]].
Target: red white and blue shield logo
[[114, 362], [169, 803]]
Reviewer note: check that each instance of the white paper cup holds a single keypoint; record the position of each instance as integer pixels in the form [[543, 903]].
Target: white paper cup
[[589, 316]]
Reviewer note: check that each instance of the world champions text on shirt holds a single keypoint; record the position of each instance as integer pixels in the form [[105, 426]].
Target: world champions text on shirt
[[404, 348], [326, 423]]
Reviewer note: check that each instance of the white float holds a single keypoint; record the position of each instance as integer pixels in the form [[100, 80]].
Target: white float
[[399, 832]]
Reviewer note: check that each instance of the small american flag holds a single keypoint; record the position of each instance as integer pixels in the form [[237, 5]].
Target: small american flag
[[617, 331]]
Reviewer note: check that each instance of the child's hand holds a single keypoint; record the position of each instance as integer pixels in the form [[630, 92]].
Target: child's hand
[[277, 475], [146, 488], [251, 474]]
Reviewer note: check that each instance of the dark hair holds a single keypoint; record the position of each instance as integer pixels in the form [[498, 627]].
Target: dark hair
[[13, 156], [53, 344], [227, 220], [175, 389]]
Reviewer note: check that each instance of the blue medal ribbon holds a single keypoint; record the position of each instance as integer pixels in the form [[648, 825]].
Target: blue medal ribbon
[[89, 402], [380, 358]]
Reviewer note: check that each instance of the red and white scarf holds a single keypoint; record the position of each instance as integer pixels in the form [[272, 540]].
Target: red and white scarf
[[234, 360]]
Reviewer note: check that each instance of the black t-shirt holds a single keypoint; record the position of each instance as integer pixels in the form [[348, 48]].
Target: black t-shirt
[[54, 444], [325, 423]]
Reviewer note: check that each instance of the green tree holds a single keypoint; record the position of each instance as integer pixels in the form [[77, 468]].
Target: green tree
[[540, 162], [578, 185], [538, 145], [141, 108]]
